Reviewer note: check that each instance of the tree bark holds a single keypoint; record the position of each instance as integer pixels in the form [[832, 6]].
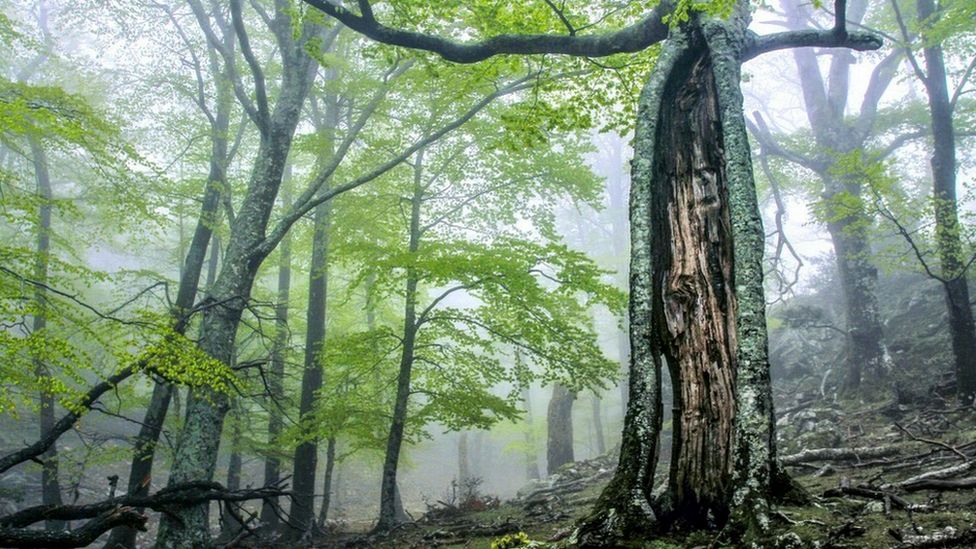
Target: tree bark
[[961, 326], [230, 526], [330, 461], [601, 444], [306, 453], [696, 299], [559, 428], [531, 457], [199, 440], [50, 486], [272, 460], [144, 451], [464, 465], [389, 494]]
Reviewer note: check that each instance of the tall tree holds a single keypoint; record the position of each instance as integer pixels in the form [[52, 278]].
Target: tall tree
[[962, 328], [695, 84]]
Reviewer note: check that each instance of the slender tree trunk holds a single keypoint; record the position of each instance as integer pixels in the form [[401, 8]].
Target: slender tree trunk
[[961, 326], [531, 456], [306, 454], [559, 428], [388, 486], [144, 451], [230, 526], [272, 460], [330, 455], [464, 465], [50, 486], [199, 440], [601, 445]]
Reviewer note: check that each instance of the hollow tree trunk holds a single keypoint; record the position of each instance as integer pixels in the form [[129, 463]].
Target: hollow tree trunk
[[389, 493], [559, 428], [694, 299], [50, 486], [961, 326]]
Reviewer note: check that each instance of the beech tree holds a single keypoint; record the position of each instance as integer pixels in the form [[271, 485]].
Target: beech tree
[[695, 298]]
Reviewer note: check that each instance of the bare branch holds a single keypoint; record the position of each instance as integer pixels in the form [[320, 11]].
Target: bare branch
[[631, 39]]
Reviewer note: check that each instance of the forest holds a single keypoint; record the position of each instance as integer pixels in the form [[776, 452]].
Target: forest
[[550, 273]]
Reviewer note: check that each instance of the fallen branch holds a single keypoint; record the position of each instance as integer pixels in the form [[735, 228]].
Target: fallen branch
[[79, 537], [180, 495], [931, 442], [938, 474], [68, 420], [872, 493], [839, 454], [941, 485], [947, 537]]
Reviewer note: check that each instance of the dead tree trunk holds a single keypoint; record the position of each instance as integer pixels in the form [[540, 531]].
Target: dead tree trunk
[[695, 299]]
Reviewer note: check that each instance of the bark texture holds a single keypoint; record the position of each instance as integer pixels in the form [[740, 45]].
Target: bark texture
[[962, 329], [559, 428], [389, 492]]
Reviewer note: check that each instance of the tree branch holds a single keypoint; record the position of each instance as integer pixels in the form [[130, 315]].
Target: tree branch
[[859, 41], [79, 537], [634, 38]]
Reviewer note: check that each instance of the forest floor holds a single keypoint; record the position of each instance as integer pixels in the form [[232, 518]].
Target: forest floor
[[886, 476]]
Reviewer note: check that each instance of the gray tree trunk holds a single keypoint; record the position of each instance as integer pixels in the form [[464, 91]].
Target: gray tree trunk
[[306, 454], [389, 493], [961, 326], [692, 195], [272, 460], [559, 428], [50, 486], [199, 440]]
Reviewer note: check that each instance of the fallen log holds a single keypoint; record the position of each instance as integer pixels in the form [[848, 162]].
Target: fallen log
[[938, 474], [947, 537], [943, 485], [872, 493], [839, 454]]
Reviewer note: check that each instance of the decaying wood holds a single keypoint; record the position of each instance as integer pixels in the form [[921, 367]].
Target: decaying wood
[[888, 498], [839, 454], [938, 474], [947, 537], [941, 484]]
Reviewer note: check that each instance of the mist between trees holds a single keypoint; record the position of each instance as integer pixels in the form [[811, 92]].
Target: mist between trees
[[403, 273]]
